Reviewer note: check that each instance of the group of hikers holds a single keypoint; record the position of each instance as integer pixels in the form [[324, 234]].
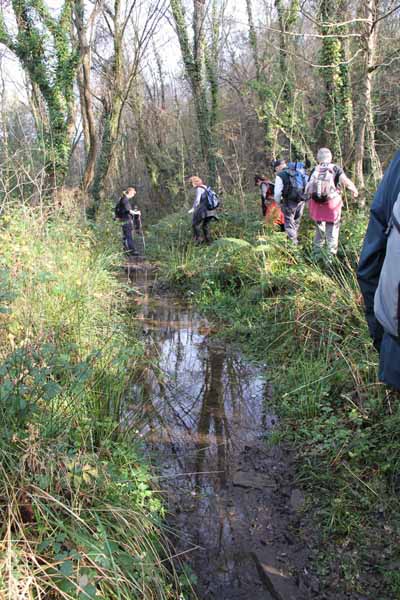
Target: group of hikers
[[283, 204], [204, 210], [283, 201], [378, 271]]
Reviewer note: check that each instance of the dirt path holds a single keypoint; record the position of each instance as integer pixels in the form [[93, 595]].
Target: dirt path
[[232, 504]]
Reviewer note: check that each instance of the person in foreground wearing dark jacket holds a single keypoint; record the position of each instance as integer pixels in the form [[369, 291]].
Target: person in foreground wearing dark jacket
[[129, 218], [369, 269]]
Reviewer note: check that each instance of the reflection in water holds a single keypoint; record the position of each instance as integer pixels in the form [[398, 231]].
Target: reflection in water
[[212, 413], [202, 412], [203, 400]]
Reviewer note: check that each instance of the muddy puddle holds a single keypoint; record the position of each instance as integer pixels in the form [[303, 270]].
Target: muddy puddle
[[205, 422]]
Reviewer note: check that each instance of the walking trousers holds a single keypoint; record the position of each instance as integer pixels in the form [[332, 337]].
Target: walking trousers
[[127, 236], [328, 233], [200, 218], [292, 211]]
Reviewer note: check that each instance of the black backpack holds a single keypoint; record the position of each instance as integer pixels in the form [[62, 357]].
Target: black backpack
[[119, 210]]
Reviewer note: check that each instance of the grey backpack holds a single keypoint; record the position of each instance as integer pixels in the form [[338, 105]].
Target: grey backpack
[[387, 295], [321, 186]]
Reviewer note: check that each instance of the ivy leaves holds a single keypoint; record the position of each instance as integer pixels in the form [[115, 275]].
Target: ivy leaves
[[43, 46]]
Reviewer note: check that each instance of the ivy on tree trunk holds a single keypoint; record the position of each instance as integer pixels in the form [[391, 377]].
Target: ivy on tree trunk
[[289, 115], [365, 134], [43, 46], [88, 118], [337, 125], [194, 59], [264, 92]]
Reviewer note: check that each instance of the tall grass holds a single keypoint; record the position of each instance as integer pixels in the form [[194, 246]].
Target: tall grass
[[80, 517]]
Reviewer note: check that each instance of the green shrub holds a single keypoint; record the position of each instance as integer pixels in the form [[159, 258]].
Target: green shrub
[[79, 516]]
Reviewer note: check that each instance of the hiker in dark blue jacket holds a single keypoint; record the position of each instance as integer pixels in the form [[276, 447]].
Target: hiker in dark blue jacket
[[369, 269]]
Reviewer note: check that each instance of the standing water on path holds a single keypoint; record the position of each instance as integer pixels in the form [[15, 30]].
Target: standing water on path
[[205, 423]]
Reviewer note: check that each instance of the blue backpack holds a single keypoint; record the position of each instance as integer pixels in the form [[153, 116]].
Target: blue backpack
[[211, 197], [294, 182]]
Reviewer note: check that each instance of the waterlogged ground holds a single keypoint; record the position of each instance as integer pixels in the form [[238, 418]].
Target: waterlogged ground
[[205, 419]]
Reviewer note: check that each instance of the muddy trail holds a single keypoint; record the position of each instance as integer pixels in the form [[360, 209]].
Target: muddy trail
[[234, 510]]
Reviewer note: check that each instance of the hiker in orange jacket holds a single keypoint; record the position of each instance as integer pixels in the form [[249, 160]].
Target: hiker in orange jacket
[[270, 210]]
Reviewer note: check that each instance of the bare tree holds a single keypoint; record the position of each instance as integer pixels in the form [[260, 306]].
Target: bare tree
[[85, 92], [365, 133], [120, 74], [201, 67]]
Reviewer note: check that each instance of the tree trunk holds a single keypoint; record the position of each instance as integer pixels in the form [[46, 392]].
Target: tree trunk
[[88, 119], [285, 110], [106, 160], [263, 92], [113, 106], [365, 134], [85, 125], [337, 123], [203, 109], [194, 61]]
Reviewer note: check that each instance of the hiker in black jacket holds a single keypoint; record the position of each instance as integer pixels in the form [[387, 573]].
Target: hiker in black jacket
[[129, 218]]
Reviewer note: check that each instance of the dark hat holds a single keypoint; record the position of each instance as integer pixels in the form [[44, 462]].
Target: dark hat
[[277, 163], [258, 178]]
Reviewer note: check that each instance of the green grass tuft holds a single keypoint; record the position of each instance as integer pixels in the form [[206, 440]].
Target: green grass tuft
[[80, 517]]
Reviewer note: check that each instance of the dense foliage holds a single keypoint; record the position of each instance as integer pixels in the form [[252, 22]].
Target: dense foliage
[[109, 106]]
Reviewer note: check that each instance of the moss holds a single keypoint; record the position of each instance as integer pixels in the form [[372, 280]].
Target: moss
[[337, 124]]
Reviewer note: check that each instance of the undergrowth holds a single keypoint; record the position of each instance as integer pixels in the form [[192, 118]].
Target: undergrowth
[[79, 516], [304, 318]]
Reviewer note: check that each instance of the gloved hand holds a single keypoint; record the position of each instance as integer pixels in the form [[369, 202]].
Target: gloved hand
[[190, 211]]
